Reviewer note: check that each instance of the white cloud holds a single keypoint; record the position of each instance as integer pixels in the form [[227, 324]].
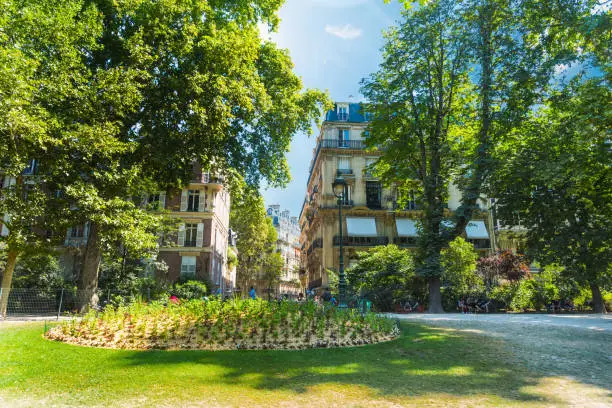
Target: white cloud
[[346, 32]]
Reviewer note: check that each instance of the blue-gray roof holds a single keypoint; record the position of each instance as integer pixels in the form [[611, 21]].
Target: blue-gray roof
[[356, 114]]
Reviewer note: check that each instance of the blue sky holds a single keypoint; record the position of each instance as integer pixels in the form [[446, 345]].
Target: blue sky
[[333, 44]]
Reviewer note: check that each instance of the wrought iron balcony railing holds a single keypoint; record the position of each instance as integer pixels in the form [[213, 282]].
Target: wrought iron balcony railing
[[405, 241], [207, 178], [361, 241]]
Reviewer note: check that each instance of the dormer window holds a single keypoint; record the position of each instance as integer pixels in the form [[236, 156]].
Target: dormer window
[[343, 112]]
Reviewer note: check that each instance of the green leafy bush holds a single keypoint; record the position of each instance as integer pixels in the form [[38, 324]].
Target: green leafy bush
[[189, 290], [459, 278], [386, 276]]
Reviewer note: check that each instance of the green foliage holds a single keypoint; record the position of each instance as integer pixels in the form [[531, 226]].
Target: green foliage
[[459, 278], [232, 258], [256, 242], [41, 271], [117, 98], [386, 276], [459, 263], [504, 293], [435, 121], [555, 170], [189, 290]]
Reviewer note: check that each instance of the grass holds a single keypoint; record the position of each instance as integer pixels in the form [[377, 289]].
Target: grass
[[424, 367]]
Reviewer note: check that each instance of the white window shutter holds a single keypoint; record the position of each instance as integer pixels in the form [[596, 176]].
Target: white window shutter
[[202, 203], [181, 235], [144, 200], [68, 233], [200, 235], [162, 200], [184, 200]]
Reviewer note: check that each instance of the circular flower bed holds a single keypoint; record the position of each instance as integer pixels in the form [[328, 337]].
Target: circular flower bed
[[217, 325]]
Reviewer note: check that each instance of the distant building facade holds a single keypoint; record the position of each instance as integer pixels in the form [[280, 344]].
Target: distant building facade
[[198, 249], [288, 245], [371, 215]]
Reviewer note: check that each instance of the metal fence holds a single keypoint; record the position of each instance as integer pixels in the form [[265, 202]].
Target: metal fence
[[27, 303]]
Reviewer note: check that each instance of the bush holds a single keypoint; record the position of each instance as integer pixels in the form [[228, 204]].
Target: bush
[[459, 278], [233, 324], [386, 276], [189, 290], [504, 293], [41, 271], [607, 297]]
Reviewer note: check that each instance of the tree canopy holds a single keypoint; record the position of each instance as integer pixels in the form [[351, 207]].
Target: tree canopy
[[119, 97]]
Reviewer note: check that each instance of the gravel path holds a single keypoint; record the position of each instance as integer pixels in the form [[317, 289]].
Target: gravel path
[[578, 347]]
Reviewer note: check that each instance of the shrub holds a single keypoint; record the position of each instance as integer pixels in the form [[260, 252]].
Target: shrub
[[504, 293], [459, 276], [189, 290], [386, 276]]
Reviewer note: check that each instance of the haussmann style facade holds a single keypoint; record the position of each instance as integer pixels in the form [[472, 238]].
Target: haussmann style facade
[[370, 213]]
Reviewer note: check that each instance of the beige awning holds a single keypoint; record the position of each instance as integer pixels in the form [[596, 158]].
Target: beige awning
[[476, 230], [406, 227], [361, 226]]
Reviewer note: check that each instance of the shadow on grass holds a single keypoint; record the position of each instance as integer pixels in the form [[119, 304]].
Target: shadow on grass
[[423, 360]]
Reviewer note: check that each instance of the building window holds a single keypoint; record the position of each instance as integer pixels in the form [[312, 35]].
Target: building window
[[188, 267], [344, 165], [77, 231], [342, 112], [153, 198], [343, 137], [191, 232], [346, 195], [193, 203], [373, 194]]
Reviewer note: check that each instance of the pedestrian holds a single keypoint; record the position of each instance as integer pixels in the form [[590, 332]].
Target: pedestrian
[[252, 293]]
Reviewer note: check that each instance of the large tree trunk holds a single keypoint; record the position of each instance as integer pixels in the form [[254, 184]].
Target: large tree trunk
[[435, 297], [598, 303], [7, 280], [88, 280]]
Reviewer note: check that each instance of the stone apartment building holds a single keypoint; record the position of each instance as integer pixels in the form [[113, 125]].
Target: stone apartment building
[[287, 244], [199, 247], [371, 215]]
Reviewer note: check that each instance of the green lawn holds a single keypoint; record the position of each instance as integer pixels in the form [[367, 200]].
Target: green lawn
[[426, 366]]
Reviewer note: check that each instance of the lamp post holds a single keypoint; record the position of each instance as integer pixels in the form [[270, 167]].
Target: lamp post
[[338, 186]]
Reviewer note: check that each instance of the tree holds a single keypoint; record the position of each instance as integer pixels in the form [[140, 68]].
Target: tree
[[144, 89], [248, 219], [459, 265], [386, 275], [27, 125], [272, 262], [456, 78], [558, 176]]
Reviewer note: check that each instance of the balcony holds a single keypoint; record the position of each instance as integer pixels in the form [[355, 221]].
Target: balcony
[[344, 172], [342, 144], [190, 243], [361, 241], [317, 243], [409, 206], [406, 242], [206, 178]]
